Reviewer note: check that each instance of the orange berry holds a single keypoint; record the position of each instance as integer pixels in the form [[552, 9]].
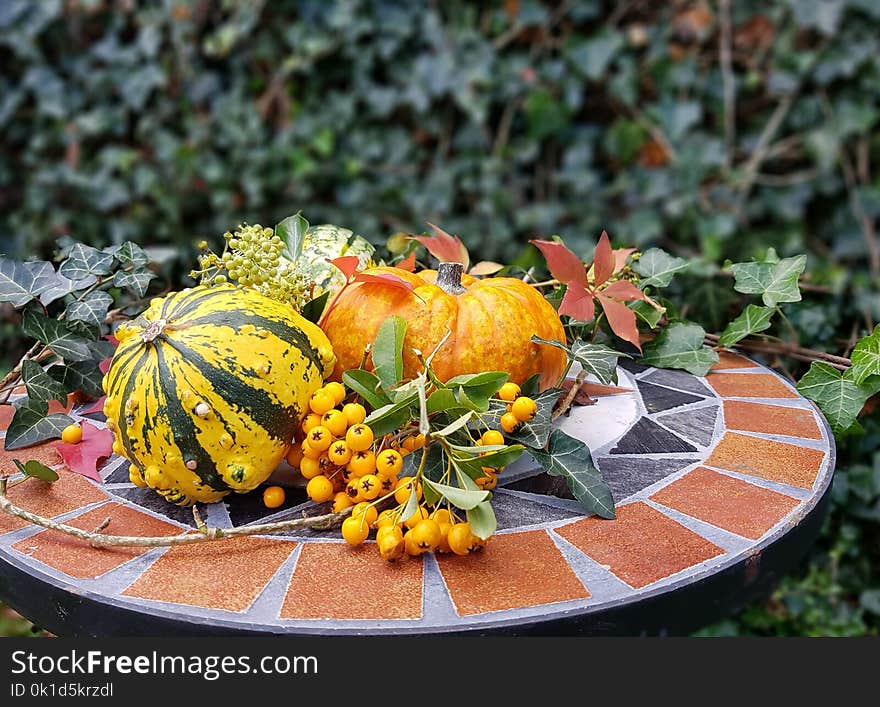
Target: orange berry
[[273, 497], [341, 501], [319, 438], [443, 545], [295, 456], [367, 510], [413, 443], [321, 401], [386, 484], [420, 515], [353, 489], [355, 413], [426, 534], [72, 434], [362, 463], [489, 481], [442, 515], [359, 437], [308, 451], [320, 489], [369, 486], [401, 494], [524, 409], [336, 391], [509, 392], [491, 437], [309, 421], [389, 462], [411, 546], [334, 420], [510, 423], [355, 530], [459, 538], [390, 541], [339, 452], [387, 517], [309, 468]]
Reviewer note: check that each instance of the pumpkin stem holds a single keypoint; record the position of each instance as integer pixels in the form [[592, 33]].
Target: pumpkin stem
[[449, 278], [153, 329]]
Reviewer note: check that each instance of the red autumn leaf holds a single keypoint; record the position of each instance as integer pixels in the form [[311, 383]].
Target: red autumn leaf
[[603, 260], [624, 290], [348, 264], [620, 256], [384, 279], [446, 248], [112, 339], [485, 267], [621, 319], [408, 263], [104, 365], [97, 406], [564, 265], [577, 303], [84, 457]]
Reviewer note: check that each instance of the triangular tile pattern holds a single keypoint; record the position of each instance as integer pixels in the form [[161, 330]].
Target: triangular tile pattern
[[149, 499], [632, 366], [514, 511], [626, 475], [696, 425], [249, 508], [542, 484], [658, 398], [647, 437], [680, 380]]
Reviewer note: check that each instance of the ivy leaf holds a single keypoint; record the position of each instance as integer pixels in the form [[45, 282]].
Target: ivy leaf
[[137, 281], [36, 470], [838, 397], [129, 254], [367, 385], [648, 314], [292, 232], [57, 335], [597, 359], [482, 520], [81, 375], [775, 282], [30, 424], [657, 267], [680, 345], [446, 248], [564, 265], [63, 287], [22, 282], [85, 456], [536, 431], [313, 309], [866, 357], [570, 458], [92, 309], [83, 260], [387, 351], [460, 498], [41, 386], [752, 320]]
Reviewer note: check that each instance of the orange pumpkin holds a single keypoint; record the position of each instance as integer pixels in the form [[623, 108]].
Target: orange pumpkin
[[491, 320]]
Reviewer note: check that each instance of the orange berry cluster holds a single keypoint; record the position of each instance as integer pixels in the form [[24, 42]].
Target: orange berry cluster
[[520, 408]]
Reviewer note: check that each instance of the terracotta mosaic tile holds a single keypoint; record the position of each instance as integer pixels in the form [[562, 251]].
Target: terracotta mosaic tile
[[749, 385], [220, 575], [513, 571], [6, 414], [641, 545], [770, 419], [77, 558], [595, 390], [728, 503], [726, 359], [70, 492], [44, 453], [336, 581], [767, 459]]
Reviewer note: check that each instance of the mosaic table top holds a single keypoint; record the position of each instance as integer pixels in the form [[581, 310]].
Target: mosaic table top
[[719, 484]]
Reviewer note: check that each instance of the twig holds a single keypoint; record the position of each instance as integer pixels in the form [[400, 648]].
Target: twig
[[570, 396], [798, 353], [322, 522], [728, 82]]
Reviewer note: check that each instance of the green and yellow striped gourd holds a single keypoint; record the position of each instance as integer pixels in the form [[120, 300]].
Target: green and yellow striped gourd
[[207, 387]]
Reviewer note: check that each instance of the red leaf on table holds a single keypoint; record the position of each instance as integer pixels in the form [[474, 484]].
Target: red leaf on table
[[83, 458], [564, 265], [384, 279], [621, 319], [408, 263], [624, 290], [603, 260], [97, 406], [348, 264], [446, 248], [577, 303]]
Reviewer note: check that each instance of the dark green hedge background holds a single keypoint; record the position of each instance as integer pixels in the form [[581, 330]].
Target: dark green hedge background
[[714, 129]]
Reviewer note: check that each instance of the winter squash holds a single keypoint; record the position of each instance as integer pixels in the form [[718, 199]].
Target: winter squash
[[207, 387], [491, 322]]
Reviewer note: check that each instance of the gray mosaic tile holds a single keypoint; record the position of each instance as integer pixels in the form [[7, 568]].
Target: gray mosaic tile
[[626, 476], [149, 499], [632, 366], [696, 425], [248, 508], [680, 380], [647, 437], [513, 512], [542, 484], [657, 398]]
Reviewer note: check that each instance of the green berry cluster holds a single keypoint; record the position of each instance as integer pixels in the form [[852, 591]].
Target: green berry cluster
[[252, 257]]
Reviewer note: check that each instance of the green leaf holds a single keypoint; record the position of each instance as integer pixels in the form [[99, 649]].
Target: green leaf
[[313, 309], [387, 351], [412, 504], [442, 399], [92, 309], [41, 386], [838, 397], [460, 498], [82, 375], [57, 335], [597, 359], [494, 460], [648, 314], [657, 268], [31, 425], [36, 470], [83, 260], [136, 281], [472, 401], [570, 458], [454, 426], [536, 431], [390, 417], [22, 282], [482, 520], [775, 282], [480, 385], [752, 320], [292, 231], [366, 385], [531, 386], [680, 345], [866, 357], [129, 254]]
